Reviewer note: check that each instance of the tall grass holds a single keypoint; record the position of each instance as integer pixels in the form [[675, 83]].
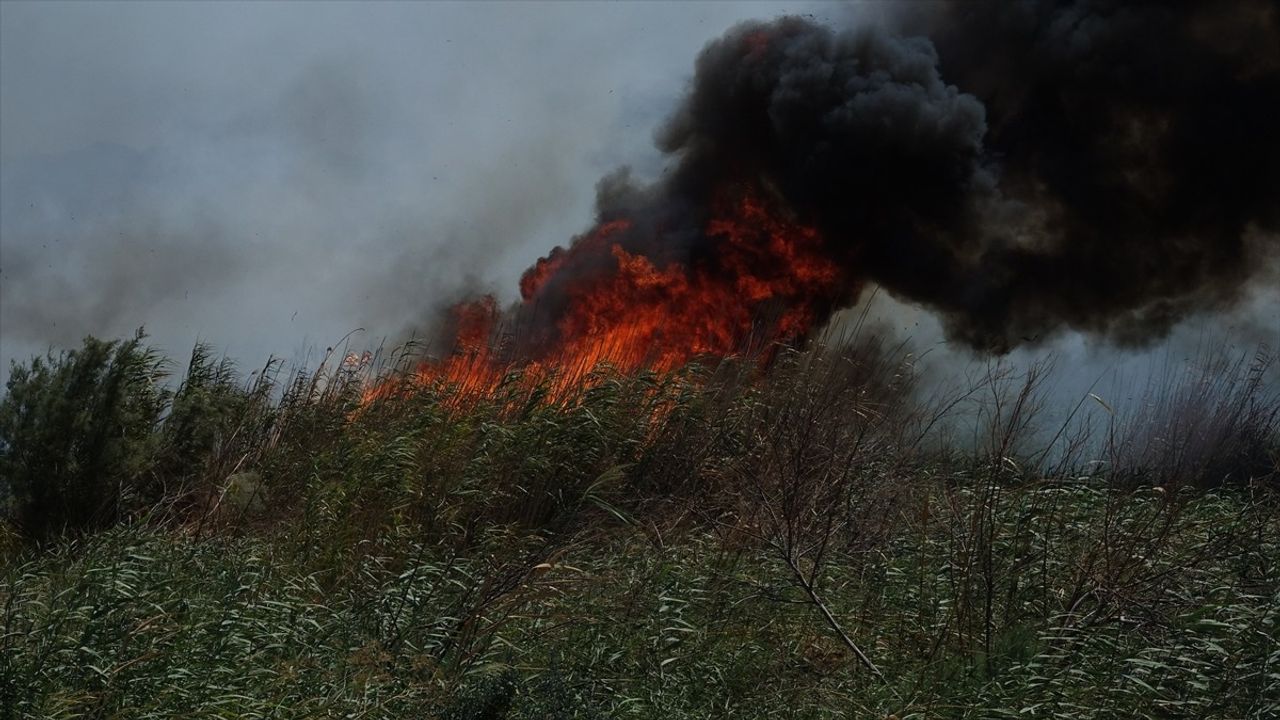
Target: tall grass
[[720, 540]]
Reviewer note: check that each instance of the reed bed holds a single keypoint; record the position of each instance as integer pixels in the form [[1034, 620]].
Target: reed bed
[[802, 537]]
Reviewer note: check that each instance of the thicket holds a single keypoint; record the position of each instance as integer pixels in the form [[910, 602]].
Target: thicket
[[718, 541]]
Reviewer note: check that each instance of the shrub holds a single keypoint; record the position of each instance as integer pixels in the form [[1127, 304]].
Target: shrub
[[77, 433], [215, 425]]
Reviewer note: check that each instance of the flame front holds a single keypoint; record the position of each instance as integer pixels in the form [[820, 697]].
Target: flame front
[[608, 298]]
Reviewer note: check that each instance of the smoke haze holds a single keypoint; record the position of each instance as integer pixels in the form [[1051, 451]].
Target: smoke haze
[[241, 175], [269, 178]]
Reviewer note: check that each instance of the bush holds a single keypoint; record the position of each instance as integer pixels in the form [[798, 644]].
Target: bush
[[77, 433], [215, 423]]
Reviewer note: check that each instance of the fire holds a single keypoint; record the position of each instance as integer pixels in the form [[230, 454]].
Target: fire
[[646, 315], [613, 297]]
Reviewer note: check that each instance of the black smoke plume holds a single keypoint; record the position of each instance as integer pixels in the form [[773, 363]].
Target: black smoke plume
[[1138, 158], [1019, 168]]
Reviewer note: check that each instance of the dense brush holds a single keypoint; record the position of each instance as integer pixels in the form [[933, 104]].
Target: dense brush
[[803, 538]]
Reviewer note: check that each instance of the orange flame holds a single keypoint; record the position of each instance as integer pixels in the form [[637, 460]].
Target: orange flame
[[766, 279]]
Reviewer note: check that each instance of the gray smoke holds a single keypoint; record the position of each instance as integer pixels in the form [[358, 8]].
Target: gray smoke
[[269, 177]]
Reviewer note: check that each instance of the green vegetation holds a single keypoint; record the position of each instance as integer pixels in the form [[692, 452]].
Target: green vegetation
[[718, 542]]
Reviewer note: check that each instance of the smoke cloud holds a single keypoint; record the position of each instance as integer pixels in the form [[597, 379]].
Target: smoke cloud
[[1138, 161], [1020, 169], [269, 177]]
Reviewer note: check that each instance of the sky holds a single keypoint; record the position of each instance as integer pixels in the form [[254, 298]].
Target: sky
[[271, 178]]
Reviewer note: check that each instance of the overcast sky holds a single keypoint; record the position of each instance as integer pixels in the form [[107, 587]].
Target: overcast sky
[[271, 176], [268, 177]]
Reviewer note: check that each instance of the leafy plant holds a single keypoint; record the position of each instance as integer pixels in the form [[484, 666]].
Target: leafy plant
[[77, 434]]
